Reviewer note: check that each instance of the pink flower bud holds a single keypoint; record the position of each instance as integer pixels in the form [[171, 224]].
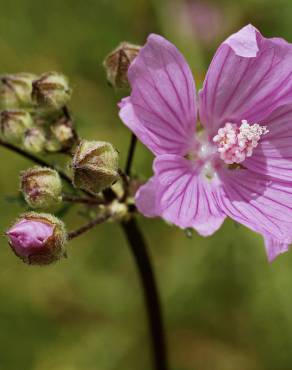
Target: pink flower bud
[[37, 238]]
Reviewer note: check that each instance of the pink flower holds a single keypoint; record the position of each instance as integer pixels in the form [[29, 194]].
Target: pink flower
[[227, 152]]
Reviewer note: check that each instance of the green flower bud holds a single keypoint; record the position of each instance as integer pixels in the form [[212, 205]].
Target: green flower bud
[[117, 64], [51, 91], [63, 131], [38, 238], [41, 187], [15, 90], [52, 145], [62, 135], [95, 166], [14, 123], [34, 140]]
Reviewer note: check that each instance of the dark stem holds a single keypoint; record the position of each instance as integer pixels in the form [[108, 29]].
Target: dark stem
[[131, 155], [98, 220], [34, 159], [76, 199], [126, 185], [69, 118], [109, 195], [124, 178], [66, 112], [154, 312]]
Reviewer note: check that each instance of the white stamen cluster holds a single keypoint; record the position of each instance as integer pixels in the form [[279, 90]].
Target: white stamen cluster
[[236, 143]]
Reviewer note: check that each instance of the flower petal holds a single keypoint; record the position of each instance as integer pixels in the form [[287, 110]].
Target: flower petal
[[273, 155], [244, 42], [146, 198], [258, 202], [275, 247], [161, 110], [185, 198], [249, 77]]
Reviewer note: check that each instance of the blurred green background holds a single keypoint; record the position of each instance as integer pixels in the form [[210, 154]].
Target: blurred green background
[[226, 308]]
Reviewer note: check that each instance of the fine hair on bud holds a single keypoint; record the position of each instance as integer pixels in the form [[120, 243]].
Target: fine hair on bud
[[15, 90], [95, 166], [51, 91], [62, 136], [38, 238], [41, 187], [14, 123], [118, 62], [34, 140]]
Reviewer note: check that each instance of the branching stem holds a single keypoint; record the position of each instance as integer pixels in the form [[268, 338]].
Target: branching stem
[[34, 159], [98, 220], [76, 199], [136, 241]]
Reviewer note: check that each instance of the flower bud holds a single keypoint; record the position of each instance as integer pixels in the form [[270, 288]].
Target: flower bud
[[41, 187], [117, 64], [34, 140], [38, 238], [51, 91], [95, 166], [52, 145], [63, 136], [15, 90], [63, 130], [14, 123]]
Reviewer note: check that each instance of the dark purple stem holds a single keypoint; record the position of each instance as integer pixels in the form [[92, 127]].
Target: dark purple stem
[[131, 155], [83, 229], [82, 200], [153, 307], [34, 159]]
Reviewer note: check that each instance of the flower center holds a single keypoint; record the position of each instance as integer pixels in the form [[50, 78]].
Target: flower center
[[236, 143], [202, 155]]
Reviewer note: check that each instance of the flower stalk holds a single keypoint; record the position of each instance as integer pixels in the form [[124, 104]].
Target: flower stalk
[[90, 225], [139, 250], [82, 200], [34, 159], [131, 155], [136, 242], [142, 259]]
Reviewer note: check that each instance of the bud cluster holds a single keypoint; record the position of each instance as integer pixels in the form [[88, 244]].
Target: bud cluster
[[32, 113], [34, 116]]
